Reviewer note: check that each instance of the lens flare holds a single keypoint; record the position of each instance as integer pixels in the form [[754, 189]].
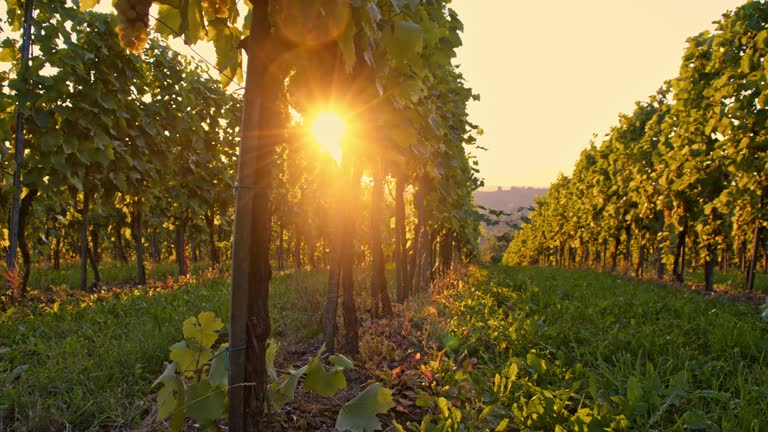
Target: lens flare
[[328, 131]]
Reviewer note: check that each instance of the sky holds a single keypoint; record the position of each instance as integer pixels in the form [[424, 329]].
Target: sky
[[551, 74]]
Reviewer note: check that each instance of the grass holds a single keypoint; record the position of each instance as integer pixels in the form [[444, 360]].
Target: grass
[[729, 281], [583, 350], [531, 348], [111, 272], [88, 365]]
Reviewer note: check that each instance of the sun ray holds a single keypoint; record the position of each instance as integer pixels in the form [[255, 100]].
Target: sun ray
[[328, 130]]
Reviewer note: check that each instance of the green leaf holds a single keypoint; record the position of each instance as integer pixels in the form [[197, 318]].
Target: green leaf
[[42, 118], [218, 374], [119, 180], [398, 4], [283, 390], [538, 364], [168, 21], [272, 347], [75, 181], [359, 414], [634, 391], [425, 401], [107, 101], [225, 43], [49, 141], [593, 389], [202, 329], [183, 356], [168, 375], [204, 402], [324, 381], [166, 399], [404, 41], [179, 416], [192, 27], [69, 143], [101, 139], [103, 152], [341, 361], [695, 420]]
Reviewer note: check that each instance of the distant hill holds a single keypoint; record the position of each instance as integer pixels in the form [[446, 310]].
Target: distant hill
[[495, 238], [508, 200]]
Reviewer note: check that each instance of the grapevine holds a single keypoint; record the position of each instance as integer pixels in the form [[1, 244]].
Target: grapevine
[[679, 183]]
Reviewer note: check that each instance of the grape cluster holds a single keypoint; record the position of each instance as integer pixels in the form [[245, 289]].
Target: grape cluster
[[134, 23], [218, 8]]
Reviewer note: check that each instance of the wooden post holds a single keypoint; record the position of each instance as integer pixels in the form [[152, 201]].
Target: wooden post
[[251, 271], [18, 148]]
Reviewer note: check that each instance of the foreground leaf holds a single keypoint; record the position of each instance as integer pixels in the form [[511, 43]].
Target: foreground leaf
[[272, 347], [324, 381], [218, 373], [359, 414], [179, 415], [341, 361], [202, 329], [168, 375], [166, 399], [204, 402], [187, 360], [283, 390]]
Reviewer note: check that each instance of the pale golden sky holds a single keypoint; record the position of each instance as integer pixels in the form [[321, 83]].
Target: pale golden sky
[[550, 74]]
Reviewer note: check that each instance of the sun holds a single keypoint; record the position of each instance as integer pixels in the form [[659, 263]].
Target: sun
[[328, 130]]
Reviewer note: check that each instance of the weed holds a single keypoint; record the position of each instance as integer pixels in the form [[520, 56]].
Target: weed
[[581, 350]]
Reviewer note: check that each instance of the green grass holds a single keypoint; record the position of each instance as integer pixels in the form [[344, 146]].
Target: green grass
[[575, 349], [111, 272], [590, 351], [89, 367], [729, 281]]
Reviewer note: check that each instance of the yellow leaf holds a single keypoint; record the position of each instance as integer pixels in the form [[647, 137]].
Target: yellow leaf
[[87, 4], [502, 426], [7, 54], [202, 329], [187, 360]]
